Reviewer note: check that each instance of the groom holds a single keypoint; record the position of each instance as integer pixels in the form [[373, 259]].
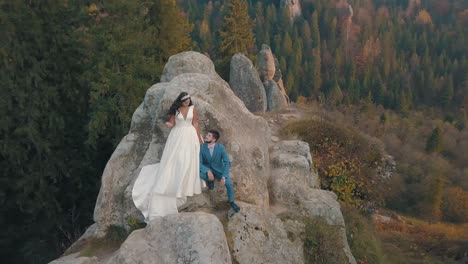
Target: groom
[[215, 163]]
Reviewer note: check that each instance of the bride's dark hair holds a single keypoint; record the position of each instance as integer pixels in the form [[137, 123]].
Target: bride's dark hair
[[177, 104]]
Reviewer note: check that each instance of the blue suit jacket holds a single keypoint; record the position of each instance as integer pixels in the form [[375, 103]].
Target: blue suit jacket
[[219, 163]]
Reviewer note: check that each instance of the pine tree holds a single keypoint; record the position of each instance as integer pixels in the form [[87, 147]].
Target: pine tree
[[447, 93], [307, 36], [44, 163], [206, 38], [435, 143], [287, 45], [237, 31], [316, 71], [315, 31], [335, 96], [261, 27], [135, 47]]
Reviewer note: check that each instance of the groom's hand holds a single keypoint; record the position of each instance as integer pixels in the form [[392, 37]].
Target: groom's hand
[[210, 175]]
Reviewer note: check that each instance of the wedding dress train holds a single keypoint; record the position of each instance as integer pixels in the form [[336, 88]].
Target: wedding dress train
[[160, 188]]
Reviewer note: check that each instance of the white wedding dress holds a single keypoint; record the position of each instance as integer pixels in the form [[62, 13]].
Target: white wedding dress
[[160, 188]]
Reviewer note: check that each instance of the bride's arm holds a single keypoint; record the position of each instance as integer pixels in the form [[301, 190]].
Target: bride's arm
[[195, 124], [171, 121]]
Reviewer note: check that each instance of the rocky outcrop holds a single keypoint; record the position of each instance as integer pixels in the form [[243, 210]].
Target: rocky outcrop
[[291, 158], [179, 238], [189, 62], [270, 73], [242, 132], [275, 97], [266, 63], [283, 91], [259, 236], [267, 174], [246, 84], [293, 184], [293, 6], [278, 74], [387, 167]]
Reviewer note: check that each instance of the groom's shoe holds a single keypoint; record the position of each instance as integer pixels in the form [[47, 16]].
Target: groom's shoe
[[210, 185], [234, 207]]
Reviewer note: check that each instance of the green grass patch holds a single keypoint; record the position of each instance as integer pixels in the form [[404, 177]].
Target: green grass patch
[[362, 239]]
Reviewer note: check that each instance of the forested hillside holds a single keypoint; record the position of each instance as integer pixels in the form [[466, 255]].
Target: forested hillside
[[399, 54], [73, 72]]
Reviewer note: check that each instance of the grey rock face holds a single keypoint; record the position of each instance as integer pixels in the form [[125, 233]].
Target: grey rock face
[[258, 236], [275, 98], [283, 91], [292, 158], [178, 238], [264, 169], [266, 63], [278, 74], [246, 84], [189, 62], [388, 167], [293, 183], [75, 259], [246, 136]]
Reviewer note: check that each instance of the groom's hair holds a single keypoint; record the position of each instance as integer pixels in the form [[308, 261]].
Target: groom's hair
[[215, 134]]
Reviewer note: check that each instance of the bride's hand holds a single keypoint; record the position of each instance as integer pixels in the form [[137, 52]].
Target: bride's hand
[[168, 124]]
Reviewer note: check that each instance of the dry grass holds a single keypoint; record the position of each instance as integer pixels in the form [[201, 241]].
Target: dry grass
[[412, 238]]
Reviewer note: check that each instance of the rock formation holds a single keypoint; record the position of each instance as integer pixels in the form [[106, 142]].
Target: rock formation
[[184, 238], [267, 174], [246, 84], [271, 76], [266, 63], [275, 97], [293, 6]]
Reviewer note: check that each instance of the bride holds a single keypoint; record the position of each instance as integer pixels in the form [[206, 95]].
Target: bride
[[160, 188]]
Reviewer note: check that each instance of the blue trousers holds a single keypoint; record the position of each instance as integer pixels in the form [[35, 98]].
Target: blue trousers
[[229, 187]]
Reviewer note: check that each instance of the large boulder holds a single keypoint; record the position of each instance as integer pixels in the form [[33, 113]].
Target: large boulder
[[278, 74], [275, 97], [293, 185], [189, 62], [283, 90], [75, 259], [266, 63], [245, 135], [256, 235], [177, 238], [292, 158], [259, 236], [246, 84]]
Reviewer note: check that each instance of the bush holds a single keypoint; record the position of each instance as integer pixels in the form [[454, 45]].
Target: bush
[[345, 159], [455, 205]]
